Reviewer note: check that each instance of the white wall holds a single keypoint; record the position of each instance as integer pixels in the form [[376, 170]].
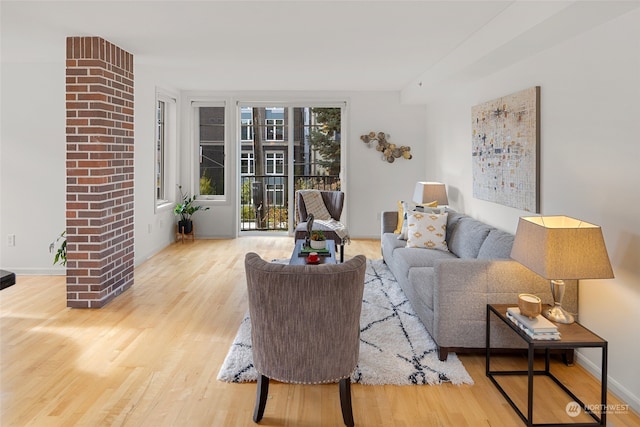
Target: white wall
[[375, 185], [32, 164], [590, 148], [154, 227]]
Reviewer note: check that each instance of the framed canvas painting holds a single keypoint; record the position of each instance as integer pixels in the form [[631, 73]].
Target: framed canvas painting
[[506, 150]]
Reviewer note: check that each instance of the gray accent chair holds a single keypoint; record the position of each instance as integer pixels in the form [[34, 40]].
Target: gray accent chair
[[334, 201], [305, 324]]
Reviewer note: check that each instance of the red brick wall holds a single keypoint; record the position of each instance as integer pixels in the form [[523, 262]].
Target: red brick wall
[[99, 101]]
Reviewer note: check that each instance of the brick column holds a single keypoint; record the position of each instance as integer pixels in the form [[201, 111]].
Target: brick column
[[99, 103]]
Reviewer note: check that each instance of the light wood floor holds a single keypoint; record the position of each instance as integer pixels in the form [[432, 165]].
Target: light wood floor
[[151, 357]]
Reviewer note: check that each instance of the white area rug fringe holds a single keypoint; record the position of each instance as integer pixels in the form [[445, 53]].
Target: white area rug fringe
[[395, 347]]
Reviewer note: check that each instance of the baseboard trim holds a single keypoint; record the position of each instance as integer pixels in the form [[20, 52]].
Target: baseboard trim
[[38, 271], [613, 386]]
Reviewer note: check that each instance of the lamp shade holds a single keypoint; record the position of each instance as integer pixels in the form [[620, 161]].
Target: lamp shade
[[560, 247], [427, 192]]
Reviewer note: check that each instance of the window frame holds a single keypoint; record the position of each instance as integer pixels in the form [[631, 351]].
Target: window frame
[[274, 130], [247, 156], [169, 148], [274, 158], [195, 111]]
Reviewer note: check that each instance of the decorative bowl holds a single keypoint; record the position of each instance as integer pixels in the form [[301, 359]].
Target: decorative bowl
[[529, 305]]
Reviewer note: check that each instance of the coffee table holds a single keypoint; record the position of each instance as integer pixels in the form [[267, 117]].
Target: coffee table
[[297, 259]]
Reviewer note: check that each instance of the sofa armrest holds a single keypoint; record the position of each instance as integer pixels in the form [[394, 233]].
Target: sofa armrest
[[388, 221], [464, 287]]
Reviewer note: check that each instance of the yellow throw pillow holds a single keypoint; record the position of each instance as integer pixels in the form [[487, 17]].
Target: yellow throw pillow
[[427, 230]]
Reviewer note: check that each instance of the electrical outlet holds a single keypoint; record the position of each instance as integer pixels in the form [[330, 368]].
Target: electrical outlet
[[11, 240], [149, 228]]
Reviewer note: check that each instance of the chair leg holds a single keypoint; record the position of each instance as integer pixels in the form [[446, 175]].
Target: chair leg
[[261, 398], [345, 401]]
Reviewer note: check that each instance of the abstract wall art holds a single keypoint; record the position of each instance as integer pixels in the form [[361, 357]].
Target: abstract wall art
[[506, 150]]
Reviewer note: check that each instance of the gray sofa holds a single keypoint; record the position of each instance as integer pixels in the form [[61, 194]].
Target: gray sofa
[[449, 291]]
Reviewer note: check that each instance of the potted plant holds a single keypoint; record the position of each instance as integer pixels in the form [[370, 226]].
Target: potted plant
[[318, 239], [185, 211], [61, 252]]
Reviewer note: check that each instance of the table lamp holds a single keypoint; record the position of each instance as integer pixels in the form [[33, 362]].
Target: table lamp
[[560, 248], [431, 194]]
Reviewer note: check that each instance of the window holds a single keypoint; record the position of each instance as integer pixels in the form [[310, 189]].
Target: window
[[274, 124], [160, 150], [246, 124], [247, 166], [274, 130], [274, 163], [283, 148], [165, 148], [211, 145], [275, 194]]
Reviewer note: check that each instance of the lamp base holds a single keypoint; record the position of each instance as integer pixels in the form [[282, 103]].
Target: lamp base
[[559, 315]]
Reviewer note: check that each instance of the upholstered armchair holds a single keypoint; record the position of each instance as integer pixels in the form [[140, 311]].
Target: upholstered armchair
[[334, 202], [305, 324]]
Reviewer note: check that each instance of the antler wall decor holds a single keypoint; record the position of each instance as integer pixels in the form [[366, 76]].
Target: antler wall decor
[[390, 152]]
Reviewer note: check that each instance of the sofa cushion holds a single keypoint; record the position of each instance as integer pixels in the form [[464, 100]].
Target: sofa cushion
[[497, 245], [427, 230], [452, 221], [407, 258], [390, 243], [467, 237], [422, 279]]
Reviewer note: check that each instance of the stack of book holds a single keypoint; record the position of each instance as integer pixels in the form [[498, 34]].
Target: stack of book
[[537, 328]]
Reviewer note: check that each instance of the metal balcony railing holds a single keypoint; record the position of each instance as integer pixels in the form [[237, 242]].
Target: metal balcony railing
[[265, 199]]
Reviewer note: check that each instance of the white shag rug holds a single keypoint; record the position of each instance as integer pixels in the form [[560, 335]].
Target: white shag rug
[[395, 347]]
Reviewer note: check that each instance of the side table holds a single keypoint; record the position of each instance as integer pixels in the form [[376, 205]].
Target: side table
[[572, 336]]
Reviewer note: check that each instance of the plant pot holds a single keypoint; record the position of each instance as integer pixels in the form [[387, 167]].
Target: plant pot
[[318, 244], [185, 227]]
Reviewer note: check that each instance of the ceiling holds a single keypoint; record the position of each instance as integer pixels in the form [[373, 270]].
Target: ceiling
[[303, 45]]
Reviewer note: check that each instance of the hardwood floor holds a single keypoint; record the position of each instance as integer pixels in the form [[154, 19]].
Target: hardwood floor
[[151, 357]]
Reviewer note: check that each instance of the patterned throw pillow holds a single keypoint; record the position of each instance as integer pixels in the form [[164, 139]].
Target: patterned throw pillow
[[408, 208], [427, 230]]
